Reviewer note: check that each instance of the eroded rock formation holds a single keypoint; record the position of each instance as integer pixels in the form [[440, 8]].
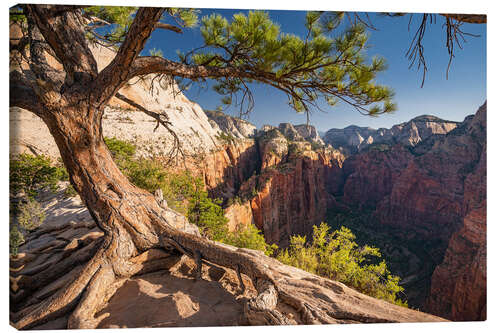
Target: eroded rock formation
[[433, 192], [238, 128], [353, 139], [309, 133], [294, 187]]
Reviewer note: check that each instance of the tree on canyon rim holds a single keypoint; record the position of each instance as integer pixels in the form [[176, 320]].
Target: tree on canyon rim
[[324, 65]]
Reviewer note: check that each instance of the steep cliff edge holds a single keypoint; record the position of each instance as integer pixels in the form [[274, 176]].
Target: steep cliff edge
[[434, 194], [458, 289], [293, 188], [238, 128], [125, 122], [166, 292]]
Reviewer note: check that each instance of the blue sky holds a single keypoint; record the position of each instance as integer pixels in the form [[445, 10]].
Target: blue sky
[[452, 99]]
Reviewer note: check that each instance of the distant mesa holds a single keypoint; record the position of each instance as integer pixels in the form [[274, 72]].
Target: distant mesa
[[237, 127], [349, 140], [353, 139], [240, 128]]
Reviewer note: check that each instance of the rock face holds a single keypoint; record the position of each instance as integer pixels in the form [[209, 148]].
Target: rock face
[[294, 187], [224, 170], [458, 289], [125, 122], [298, 133], [433, 192], [353, 139], [417, 130], [370, 176], [289, 131], [348, 139], [431, 189], [239, 214], [309, 133], [237, 127]]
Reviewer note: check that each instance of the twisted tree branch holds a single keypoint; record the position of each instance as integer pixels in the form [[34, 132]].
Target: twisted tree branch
[[161, 119], [22, 95], [65, 35], [111, 78]]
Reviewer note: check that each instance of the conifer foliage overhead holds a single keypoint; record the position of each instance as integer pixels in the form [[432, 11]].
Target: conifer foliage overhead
[[328, 65]]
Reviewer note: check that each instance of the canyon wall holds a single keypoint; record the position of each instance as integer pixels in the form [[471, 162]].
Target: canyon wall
[[458, 289], [433, 192], [293, 188]]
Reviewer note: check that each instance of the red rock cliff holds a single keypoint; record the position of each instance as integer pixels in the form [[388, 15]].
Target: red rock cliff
[[294, 187], [458, 289], [434, 191]]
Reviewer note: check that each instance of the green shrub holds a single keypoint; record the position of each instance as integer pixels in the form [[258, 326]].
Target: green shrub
[[316, 145], [378, 147], [70, 191], [336, 255], [16, 238], [30, 215], [251, 238], [29, 174], [186, 194], [227, 138], [207, 213], [120, 148], [146, 174], [150, 175]]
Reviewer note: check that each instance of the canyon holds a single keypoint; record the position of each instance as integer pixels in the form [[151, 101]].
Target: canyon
[[423, 187], [420, 185]]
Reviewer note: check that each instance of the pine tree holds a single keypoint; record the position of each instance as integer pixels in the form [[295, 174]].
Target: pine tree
[[249, 48]]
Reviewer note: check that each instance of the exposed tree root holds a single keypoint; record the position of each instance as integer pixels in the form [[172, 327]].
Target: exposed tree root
[[61, 302], [99, 291], [285, 295], [317, 300], [93, 285], [57, 268], [261, 310], [240, 279]]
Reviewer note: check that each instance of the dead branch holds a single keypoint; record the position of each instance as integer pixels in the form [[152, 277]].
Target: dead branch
[[467, 18], [161, 119]]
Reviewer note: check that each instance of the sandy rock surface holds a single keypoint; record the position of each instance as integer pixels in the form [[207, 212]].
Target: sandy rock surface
[[170, 296]]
